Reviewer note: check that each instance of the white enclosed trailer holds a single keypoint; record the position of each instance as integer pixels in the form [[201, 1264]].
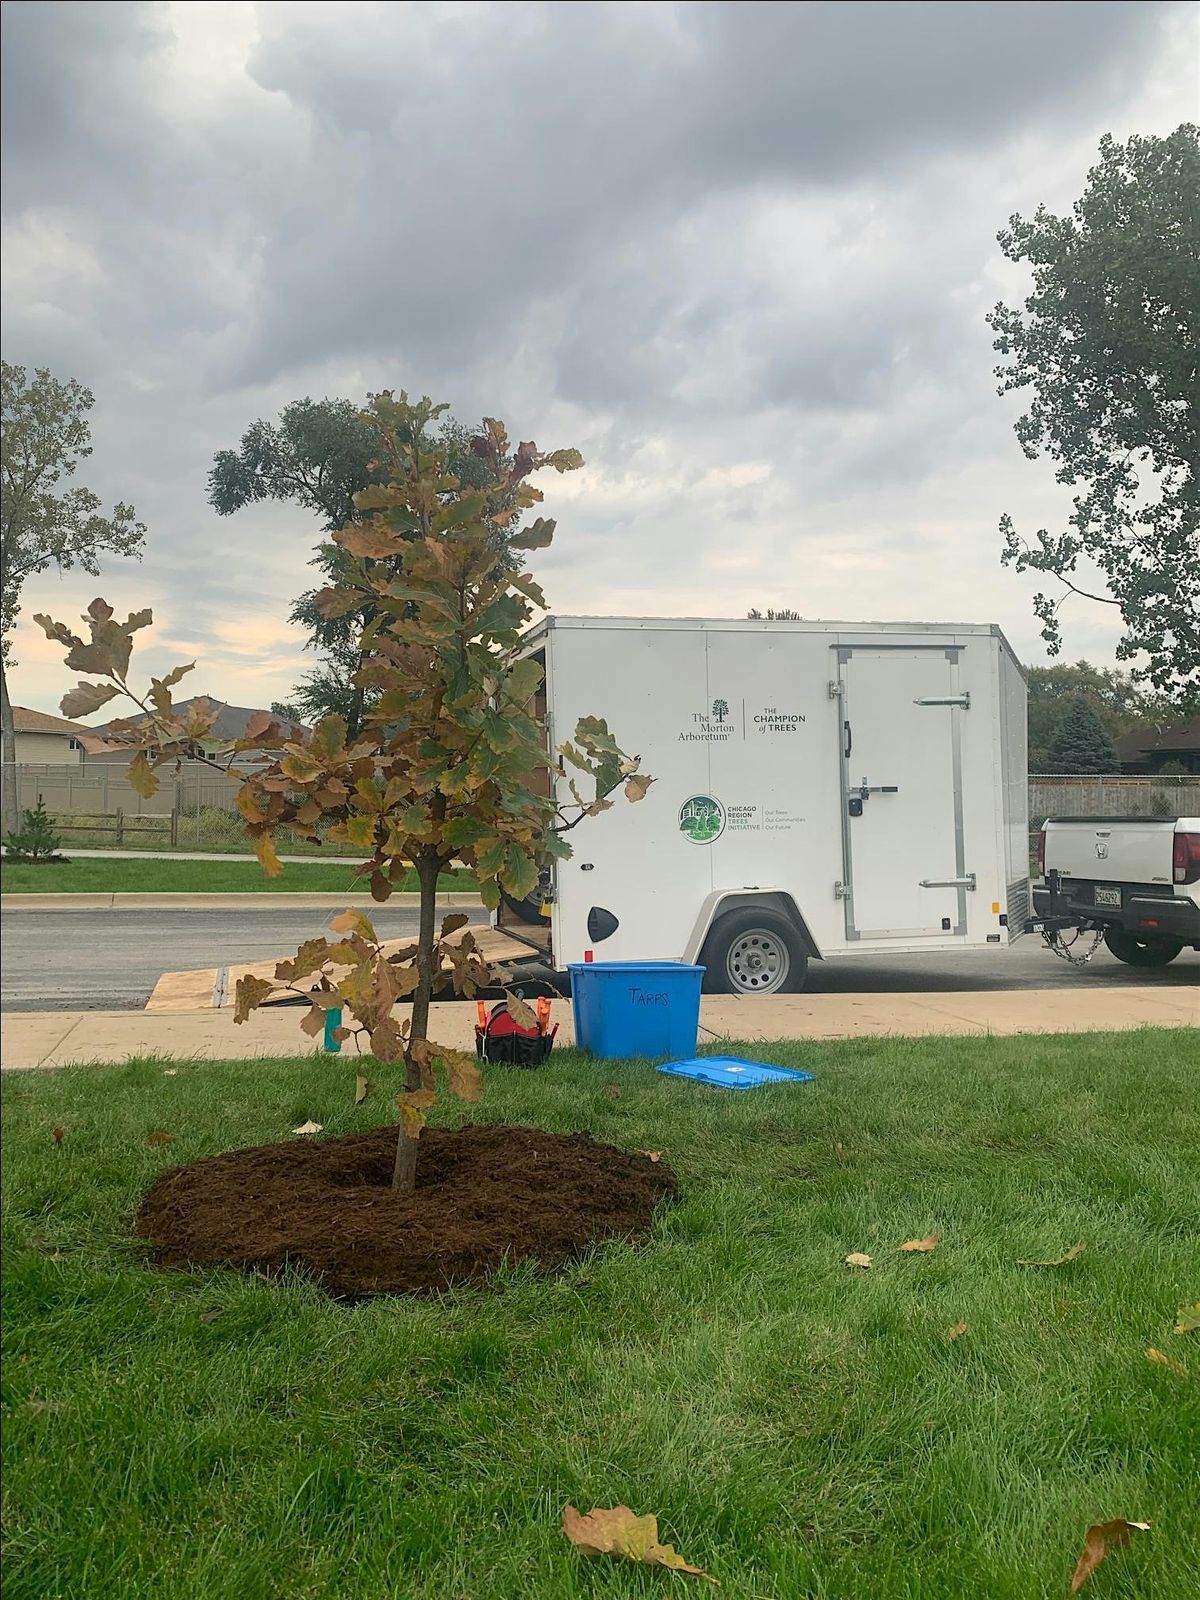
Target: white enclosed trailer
[[820, 788]]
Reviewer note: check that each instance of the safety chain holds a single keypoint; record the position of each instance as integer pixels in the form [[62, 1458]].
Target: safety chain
[[1050, 937]]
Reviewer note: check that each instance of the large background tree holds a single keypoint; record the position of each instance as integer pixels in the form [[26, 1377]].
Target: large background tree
[[1080, 743], [320, 455], [1108, 343], [45, 435], [1121, 704]]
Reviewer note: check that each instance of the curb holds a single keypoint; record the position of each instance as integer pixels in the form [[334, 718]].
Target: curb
[[227, 902]]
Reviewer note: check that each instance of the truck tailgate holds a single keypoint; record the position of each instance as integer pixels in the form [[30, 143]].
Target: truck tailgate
[[1125, 850]]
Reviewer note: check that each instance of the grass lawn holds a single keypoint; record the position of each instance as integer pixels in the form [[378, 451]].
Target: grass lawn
[[93, 876], [799, 1428]]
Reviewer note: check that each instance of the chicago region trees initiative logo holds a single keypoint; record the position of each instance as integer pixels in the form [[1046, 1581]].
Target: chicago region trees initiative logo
[[702, 818]]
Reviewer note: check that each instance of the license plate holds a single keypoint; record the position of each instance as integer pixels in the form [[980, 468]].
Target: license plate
[[1107, 897]]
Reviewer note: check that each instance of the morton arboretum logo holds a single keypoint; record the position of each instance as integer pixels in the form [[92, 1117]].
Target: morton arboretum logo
[[702, 818]]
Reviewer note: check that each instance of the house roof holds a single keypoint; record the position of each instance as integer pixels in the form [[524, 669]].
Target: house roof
[[229, 722], [1182, 739], [27, 721]]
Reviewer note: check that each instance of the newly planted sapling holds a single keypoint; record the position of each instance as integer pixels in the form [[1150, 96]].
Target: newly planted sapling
[[452, 760]]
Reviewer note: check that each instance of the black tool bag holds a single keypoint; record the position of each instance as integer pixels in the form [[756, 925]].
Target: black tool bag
[[498, 1038]]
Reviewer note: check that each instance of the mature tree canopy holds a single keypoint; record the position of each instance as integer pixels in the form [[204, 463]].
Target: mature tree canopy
[[47, 523], [1107, 344], [320, 455]]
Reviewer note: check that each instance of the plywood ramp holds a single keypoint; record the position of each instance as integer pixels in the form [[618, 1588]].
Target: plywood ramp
[[214, 987]]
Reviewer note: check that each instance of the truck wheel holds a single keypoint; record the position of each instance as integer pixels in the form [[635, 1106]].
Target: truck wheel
[[1141, 952], [754, 952]]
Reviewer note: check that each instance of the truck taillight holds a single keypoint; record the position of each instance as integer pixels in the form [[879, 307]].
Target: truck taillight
[[1042, 853], [1186, 857]]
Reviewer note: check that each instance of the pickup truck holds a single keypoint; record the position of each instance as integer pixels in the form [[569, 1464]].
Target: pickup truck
[[1136, 880]]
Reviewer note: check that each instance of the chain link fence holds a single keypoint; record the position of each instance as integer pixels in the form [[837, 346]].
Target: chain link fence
[[195, 808], [1156, 795]]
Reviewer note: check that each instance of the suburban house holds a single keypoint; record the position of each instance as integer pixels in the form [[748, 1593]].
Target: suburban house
[[1149, 750], [229, 723], [45, 740]]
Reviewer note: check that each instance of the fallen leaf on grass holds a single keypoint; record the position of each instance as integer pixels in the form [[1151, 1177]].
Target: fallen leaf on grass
[[618, 1531], [921, 1246], [170, 1072], [839, 1149], [1101, 1539], [157, 1138], [613, 1091], [1189, 1319], [1059, 1261], [1158, 1357], [209, 1316], [857, 1259], [57, 1135], [956, 1332], [309, 1127], [362, 1088], [650, 1155]]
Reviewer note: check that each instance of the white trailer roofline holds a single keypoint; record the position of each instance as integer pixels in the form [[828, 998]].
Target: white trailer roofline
[[753, 625]]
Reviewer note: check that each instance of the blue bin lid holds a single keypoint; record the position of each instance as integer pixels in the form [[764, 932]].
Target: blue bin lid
[[730, 1072], [631, 966]]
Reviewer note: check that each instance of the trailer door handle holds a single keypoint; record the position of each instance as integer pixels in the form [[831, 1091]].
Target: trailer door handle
[[949, 883], [849, 740]]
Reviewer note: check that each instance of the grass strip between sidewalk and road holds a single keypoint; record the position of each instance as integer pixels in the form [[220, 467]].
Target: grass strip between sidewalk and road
[[799, 1427], [94, 876]]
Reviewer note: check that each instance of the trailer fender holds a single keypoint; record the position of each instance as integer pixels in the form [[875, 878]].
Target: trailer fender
[[723, 900]]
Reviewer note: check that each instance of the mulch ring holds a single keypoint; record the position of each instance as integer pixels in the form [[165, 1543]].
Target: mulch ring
[[484, 1195]]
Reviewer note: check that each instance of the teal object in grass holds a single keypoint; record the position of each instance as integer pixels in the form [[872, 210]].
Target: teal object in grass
[[729, 1072]]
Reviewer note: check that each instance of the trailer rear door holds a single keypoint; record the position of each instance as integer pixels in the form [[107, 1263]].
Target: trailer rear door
[[905, 870]]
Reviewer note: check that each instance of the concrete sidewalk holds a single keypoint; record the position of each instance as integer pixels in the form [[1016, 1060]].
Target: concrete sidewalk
[[62, 1038], [116, 901]]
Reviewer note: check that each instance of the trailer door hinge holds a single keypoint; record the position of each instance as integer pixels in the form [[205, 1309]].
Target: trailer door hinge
[[841, 891], [835, 689], [963, 700]]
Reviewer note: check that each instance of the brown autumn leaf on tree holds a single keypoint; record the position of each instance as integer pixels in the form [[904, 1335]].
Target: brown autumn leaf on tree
[[618, 1531], [1076, 1249], [1101, 1539], [452, 762], [921, 1246]]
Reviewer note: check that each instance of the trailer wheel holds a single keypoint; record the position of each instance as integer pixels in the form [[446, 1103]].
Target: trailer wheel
[[1137, 952], [754, 952]]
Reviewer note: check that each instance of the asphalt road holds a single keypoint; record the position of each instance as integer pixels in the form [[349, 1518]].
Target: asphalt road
[[111, 960]]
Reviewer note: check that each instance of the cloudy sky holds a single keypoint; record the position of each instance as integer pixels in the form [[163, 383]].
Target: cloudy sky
[[739, 254]]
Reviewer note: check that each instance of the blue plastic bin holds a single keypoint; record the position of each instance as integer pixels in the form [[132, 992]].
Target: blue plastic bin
[[636, 1008]]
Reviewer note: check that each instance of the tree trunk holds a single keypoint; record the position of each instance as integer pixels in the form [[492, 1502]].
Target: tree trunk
[[404, 1174], [10, 817]]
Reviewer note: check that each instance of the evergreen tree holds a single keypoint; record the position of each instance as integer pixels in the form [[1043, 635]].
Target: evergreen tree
[[1081, 744], [37, 841]]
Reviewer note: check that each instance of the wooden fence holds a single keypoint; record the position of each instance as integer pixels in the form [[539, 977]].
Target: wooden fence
[[1168, 795]]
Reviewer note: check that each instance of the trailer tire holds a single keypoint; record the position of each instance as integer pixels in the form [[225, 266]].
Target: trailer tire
[[754, 952], [1137, 952]]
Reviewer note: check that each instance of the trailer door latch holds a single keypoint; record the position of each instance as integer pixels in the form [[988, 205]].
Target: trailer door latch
[[841, 891]]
